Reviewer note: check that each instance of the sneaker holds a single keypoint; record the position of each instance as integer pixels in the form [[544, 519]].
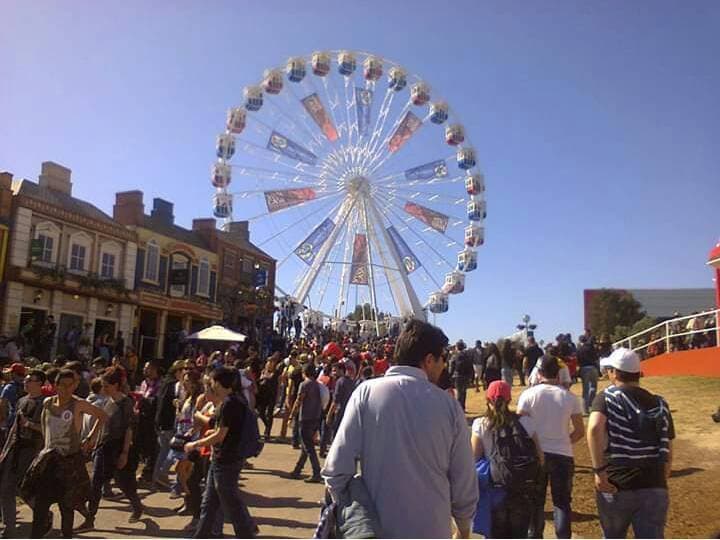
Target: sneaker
[[135, 516], [87, 525], [314, 480]]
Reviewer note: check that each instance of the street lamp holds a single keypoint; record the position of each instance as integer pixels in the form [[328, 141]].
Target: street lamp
[[527, 328]]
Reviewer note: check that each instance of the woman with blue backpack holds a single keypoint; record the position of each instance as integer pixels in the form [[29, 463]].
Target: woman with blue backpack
[[508, 459]]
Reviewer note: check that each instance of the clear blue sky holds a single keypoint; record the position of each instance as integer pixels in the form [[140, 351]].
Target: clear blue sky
[[597, 123]]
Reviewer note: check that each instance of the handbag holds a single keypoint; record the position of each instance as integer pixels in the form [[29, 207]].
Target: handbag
[[178, 442]]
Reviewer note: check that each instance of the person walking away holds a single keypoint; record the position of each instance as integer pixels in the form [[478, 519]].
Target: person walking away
[[630, 434], [478, 364], [462, 371], [532, 354], [146, 439], [553, 410], [58, 474], [111, 456], [412, 443], [507, 359], [22, 445], [492, 364], [588, 363], [344, 387], [519, 355], [309, 408], [511, 445], [221, 485]]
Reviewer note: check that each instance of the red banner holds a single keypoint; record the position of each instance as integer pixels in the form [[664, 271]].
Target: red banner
[[434, 219], [359, 270], [407, 127], [285, 198]]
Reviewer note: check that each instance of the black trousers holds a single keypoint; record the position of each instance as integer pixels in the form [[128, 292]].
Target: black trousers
[[307, 434], [265, 409]]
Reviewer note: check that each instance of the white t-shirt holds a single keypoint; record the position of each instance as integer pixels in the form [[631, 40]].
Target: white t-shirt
[[480, 428], [551, 407]]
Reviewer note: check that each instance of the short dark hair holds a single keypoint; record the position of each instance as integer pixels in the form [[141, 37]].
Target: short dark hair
[[65, 374], [626, 376], [225, 377], [340, 367], [38, 374], [113, 375], [416, 341], [309, 370], [549, 367], [96, 385]]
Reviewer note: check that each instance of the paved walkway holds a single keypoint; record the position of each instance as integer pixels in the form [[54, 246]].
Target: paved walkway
[[283, 508]]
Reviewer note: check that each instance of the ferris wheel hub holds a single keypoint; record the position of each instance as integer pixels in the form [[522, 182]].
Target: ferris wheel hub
[[359, 185]]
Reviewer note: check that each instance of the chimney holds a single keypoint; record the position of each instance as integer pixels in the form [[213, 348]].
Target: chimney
[[55, 177], [6, 195], [163, 211], [239, 230], [129, 208], [204, 224]]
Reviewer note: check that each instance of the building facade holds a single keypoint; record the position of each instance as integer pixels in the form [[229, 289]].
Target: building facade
[[67, 259], [246, 282], [175, 277]]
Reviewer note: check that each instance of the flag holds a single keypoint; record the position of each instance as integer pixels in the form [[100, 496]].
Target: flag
[[434, 169], [407, 127], [434, 219], [308, 249], [285, 198], [317, 111], [359, 269], [280, 144], [408, 258], [363, 102]]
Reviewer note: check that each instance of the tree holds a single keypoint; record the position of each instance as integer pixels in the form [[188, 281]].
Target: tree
[[610, 309], [364, 312], [621, 332]]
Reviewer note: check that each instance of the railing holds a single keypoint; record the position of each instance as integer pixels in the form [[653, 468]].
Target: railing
[[673, 335]]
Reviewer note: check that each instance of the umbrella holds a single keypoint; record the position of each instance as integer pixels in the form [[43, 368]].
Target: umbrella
[[217, 333]]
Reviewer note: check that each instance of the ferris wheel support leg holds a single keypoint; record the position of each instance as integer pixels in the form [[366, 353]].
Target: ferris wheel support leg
[[417, 309], [303, 290], [371, 272]]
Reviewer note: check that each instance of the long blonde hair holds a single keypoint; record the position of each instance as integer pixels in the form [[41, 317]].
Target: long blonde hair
[[498, 413]]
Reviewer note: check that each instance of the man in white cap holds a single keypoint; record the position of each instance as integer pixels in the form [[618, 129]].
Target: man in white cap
[[630, 434]]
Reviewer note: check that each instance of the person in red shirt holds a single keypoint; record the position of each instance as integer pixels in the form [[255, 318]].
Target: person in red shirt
[[380, 366]]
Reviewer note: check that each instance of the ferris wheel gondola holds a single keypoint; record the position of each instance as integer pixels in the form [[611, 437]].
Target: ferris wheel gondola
[[364, 188]]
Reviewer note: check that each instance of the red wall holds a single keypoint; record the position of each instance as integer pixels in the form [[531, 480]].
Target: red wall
[[701, 362]]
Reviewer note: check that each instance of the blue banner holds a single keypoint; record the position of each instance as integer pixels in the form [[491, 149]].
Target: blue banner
[[260, 278], [308, 249], [409, 260], [363, 102], [280, 144], [434, 169]]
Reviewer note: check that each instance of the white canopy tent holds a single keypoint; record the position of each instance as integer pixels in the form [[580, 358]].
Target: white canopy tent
[[217, 333]]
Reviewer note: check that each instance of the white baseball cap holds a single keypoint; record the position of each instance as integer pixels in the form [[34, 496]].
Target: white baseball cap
[[622, 359]]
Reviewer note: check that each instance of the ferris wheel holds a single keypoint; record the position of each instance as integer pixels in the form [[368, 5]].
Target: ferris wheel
[[359, 180]]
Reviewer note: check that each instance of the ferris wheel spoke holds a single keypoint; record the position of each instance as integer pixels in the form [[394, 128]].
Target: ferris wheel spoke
[[433, 170], [379, 124], [432, 182], [430, 196], [381, 142], [277, 174], [315, 143], [276, 158], [302, 220]]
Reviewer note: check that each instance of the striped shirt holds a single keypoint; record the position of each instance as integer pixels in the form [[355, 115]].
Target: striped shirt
[[637, 436]]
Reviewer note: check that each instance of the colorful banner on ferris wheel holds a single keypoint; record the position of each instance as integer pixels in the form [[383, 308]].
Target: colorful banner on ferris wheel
[[434, 169], [406, 128], [317, 111], [359, 269], [285, 198], [434, 219], [309, 248], [363, 102], [409, 260], [280, 144]]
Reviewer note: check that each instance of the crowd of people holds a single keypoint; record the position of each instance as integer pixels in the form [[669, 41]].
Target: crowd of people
[[395, 405]]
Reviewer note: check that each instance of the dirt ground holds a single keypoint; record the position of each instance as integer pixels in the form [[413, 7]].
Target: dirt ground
[[695, 479], [286, 508]]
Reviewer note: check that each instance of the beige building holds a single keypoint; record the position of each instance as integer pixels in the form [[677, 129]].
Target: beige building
[[67, 259]]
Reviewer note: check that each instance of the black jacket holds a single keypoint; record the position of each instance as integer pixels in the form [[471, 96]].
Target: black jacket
[[587, 355], [165, 414]]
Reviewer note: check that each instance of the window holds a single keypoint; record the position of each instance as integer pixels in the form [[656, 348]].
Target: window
[[203, 288], [248, 265], [46, 251], [229, 263], [107, 266], [179, 275], [46, 243], [152, 261], [77, 257]]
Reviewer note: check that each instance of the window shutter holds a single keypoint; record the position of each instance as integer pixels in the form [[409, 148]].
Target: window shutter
[[213, 281], [162, 278], [194, 280], [139, 266]]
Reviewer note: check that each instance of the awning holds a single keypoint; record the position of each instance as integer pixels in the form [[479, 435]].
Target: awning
[[217, 333]]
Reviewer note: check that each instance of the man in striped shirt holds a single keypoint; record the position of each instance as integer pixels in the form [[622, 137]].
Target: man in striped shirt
[[630, 434]]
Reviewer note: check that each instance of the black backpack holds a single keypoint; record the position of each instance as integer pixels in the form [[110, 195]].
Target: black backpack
[[514, 462], [250, 444]]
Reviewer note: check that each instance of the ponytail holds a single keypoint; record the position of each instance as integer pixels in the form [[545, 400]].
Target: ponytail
[[498, 414]]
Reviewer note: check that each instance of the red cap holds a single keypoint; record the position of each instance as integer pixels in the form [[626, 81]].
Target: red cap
[[499, 389], [17, 369]]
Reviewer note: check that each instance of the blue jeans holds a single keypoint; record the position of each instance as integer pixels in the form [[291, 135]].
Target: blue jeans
[[589, 376], [163, 463], [223, 494], [645, 509], [308, 428], [558, 470]]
